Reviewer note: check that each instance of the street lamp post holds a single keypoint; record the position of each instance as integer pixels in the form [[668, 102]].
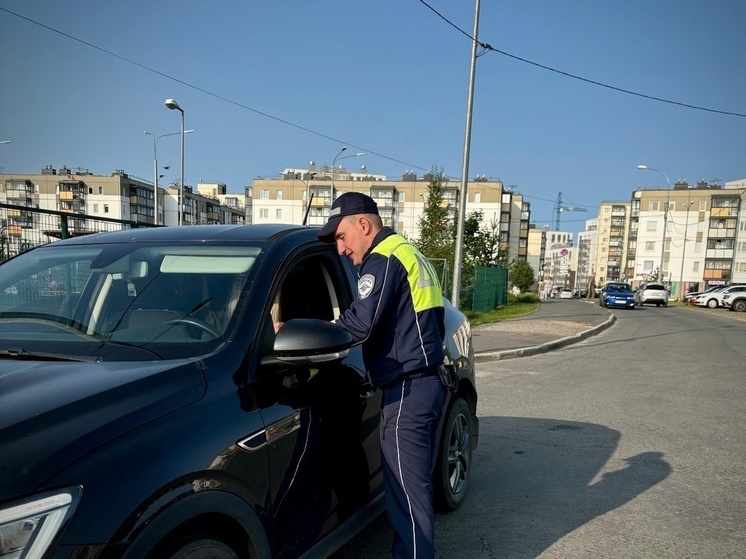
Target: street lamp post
[[683, 254], [174, 106], [334, 162], [665, 212], [155, 166]]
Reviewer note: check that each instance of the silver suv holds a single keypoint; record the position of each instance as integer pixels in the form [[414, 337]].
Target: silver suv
[[650, 293]]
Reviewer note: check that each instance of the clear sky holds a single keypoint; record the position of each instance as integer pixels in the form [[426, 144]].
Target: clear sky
[[275, 84]]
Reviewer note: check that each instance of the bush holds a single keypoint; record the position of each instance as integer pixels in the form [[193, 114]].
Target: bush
[[522, 298]]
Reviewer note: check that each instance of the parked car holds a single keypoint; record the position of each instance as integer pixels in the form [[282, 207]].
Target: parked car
[[690, 297], [714, 299], [565, 293], [149, 410], [735, 299], [651, 293], [617, 294]]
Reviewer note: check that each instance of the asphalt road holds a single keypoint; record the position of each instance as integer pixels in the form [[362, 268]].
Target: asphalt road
[[628, 444]]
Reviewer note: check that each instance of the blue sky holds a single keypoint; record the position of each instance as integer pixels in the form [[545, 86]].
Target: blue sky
[[270, 85]]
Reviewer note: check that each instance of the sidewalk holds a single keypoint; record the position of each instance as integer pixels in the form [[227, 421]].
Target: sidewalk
[[557, 323]]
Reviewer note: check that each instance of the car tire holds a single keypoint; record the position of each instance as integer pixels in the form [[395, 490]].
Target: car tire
[[738, 306], [454, 457], [712, 304], [202, 548]]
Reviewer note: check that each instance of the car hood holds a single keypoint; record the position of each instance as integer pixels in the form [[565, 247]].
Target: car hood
[[54, 413]]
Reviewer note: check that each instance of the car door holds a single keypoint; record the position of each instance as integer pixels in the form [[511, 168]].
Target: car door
[[321, 426]]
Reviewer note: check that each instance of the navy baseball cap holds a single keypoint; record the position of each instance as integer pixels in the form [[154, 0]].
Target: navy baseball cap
[[349, 203]]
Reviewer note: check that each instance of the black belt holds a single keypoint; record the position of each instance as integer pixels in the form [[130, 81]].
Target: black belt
[[422, 373]]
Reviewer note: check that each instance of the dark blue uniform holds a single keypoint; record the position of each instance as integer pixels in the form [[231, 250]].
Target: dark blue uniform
[[399, 318]]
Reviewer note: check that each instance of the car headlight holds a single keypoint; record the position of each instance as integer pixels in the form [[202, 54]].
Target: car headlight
[[28, 528]]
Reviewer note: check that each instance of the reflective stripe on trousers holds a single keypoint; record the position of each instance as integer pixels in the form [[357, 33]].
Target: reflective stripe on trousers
[[411, 411]]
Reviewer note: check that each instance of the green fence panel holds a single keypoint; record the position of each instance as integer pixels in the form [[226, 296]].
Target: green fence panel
[[490, 289]]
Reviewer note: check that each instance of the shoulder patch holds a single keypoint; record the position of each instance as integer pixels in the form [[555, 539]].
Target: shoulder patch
[[365, 285]]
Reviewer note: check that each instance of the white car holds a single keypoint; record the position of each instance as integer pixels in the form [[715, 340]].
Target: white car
[[714, 299], [565, 293], [733, 299]]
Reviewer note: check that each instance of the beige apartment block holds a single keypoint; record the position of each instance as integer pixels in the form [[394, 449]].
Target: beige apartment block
[[400, 202], [695, 234], [119, 196], [612, 242]]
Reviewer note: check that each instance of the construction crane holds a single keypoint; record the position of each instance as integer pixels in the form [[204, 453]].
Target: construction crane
[[559, 208]]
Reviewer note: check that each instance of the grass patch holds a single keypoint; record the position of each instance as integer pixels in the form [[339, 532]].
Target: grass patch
[[511, 310]]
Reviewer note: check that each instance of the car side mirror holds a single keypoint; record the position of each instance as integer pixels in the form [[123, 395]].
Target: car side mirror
[[309, 341]]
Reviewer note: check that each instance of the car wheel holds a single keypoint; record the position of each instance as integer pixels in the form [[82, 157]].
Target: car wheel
[[739, 306], [712, 303], [203, 548], [454, 457]]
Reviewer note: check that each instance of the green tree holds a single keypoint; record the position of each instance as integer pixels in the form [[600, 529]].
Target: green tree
[[482, 242], [437, 236], [521, 275]]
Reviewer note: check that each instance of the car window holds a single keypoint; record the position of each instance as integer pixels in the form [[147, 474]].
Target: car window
[[133, 299]]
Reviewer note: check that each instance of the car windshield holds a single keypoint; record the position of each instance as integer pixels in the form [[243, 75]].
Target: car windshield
[[618, 287], [122, 301]]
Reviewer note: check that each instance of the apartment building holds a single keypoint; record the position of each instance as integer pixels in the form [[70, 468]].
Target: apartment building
[[611, 242], [691, 236], [587, 255], [117, 196], [400, 202]]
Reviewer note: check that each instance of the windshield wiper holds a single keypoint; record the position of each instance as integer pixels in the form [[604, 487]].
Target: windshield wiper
[[20, 353]]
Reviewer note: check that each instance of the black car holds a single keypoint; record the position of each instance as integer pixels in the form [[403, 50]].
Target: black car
[[149, 410]]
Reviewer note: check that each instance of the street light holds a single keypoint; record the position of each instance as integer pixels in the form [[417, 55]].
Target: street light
[[174, 106], [155, 166], [665, 212], [683, 255], [335, 162]]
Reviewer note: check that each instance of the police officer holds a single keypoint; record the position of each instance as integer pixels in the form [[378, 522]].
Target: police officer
[[398, 318]]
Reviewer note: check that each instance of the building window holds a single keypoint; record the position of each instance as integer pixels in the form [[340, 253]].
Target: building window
[[402, 197], [100, 189], [264, 194], [278, 213], [649, 245], [695, 266], [279, 194], [95, 208], [652, 226], [742, 247], [698, 246], [106, 208], [654, 206], [703, 205], [647, 265], [263, 213], [742, 266], [477, 197]]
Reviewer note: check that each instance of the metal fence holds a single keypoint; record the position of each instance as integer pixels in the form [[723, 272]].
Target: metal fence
[[22, 228], [490, 288]]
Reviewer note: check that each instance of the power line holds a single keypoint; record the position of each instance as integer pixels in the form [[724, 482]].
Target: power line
[[488, 47], [210, 93]]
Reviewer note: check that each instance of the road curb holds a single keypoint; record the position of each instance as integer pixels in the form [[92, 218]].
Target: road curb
[[487, 356]]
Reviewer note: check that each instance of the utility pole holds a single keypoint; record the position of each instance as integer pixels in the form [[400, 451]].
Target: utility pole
[[459, 253]]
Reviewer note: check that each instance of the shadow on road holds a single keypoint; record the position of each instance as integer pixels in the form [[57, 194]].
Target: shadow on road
[[533, 482]]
